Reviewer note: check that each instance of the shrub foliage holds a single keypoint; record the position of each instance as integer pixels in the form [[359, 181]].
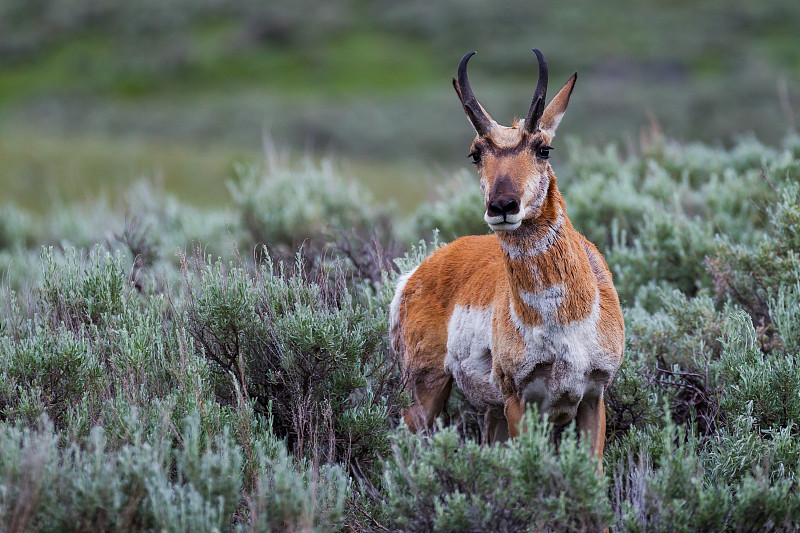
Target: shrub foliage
[[205, 370]]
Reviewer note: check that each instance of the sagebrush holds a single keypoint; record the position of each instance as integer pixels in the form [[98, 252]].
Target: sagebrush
[[188, 369]]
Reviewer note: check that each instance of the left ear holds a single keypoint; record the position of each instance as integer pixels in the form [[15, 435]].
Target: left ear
[[555, 110]]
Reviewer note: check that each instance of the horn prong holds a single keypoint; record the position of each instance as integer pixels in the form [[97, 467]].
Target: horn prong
[[472, 108], [539, 95]]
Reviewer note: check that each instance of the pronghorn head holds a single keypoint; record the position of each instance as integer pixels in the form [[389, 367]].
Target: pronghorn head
[[512, 161]]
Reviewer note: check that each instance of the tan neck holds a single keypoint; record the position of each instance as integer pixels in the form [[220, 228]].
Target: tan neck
[[548, 270], [536, 237]]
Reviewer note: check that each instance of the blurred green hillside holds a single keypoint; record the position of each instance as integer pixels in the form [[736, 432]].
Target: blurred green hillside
[[94, 94]]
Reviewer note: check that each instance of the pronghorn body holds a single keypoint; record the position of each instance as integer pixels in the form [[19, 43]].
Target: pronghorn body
[[529, 314]]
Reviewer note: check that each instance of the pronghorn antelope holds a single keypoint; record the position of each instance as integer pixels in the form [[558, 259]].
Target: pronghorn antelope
[[529, 314]]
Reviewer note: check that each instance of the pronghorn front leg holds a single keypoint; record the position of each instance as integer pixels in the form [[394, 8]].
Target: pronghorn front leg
[[496, 427], [592, 423], [430, 396], [514, 409]]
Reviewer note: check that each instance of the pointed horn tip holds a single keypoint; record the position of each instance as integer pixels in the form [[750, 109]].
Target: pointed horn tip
[[463, 63]]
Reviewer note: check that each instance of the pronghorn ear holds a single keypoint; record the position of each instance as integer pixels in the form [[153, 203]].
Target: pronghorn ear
[[555, 110]]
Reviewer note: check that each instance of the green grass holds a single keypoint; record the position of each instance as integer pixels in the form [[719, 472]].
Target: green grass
[[211, 57], [40, 171], [377, 62]]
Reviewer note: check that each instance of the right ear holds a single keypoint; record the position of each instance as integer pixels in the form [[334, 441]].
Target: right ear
[[554, 112]]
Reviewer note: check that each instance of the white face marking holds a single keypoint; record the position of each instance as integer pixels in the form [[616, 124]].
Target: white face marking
[[531, 202], [507, 223], [533, 196], [505, 136], [469, 359]]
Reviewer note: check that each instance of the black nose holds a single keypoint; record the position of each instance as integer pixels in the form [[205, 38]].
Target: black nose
[[502, 206]]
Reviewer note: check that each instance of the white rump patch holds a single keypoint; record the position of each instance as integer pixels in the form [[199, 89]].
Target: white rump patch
[[469, 356], [394, 308]]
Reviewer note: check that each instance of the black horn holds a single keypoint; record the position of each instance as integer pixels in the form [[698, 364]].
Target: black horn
[[472, 108], [539, 95]]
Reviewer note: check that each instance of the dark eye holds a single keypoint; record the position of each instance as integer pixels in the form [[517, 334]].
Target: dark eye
[[543, 152], [476, 157]]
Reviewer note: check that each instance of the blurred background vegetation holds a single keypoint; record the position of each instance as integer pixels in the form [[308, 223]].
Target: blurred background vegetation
[[96, 94]]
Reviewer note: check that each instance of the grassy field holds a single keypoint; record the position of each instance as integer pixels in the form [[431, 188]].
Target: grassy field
[[41, 172]]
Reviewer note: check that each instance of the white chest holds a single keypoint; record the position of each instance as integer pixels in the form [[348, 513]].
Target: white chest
[[576, 343], [559, 358]]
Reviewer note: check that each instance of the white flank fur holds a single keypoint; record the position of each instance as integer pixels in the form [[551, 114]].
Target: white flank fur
[[469, 359]]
